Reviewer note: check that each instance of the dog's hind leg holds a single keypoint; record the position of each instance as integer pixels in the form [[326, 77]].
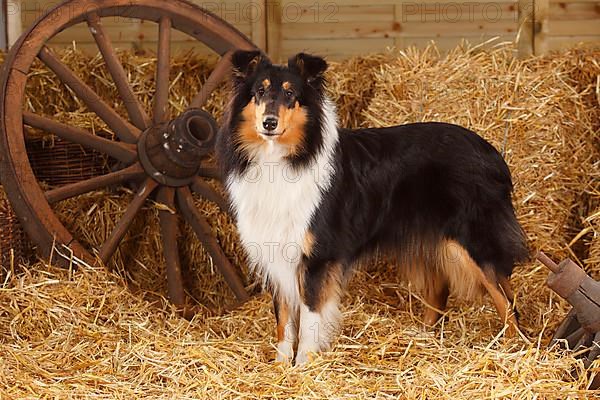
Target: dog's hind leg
[[500, 297], [504, 282], [436, 297], [463, 268]]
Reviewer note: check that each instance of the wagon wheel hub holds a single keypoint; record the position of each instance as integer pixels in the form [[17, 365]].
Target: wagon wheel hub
[[171, 153]]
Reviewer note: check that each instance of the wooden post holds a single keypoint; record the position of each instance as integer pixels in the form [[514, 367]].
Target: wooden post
[[526, 27], [4, 26], [541, 26], [274, 17], [259, 23], [398, 40]]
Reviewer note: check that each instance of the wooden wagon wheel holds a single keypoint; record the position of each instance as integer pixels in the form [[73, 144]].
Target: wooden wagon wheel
[[163, 158]]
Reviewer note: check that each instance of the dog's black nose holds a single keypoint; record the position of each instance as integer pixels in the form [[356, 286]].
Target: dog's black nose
[[270, 123]]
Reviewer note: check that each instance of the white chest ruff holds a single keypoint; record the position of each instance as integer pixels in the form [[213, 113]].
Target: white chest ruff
[[274, 205]]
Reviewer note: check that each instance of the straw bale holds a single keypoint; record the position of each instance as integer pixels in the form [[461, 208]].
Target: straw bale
[[526, 109], [350, 86], [139, 257], [14, 245], [74, 334], [47, 95], [84, 334], [593, 260]]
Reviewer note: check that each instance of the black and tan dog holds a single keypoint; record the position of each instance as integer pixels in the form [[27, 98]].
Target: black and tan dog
[[311, 198]]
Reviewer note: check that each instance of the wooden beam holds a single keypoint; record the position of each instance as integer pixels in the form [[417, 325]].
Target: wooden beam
[[274, 17], [526, 26], [541, 26], [258, 23]]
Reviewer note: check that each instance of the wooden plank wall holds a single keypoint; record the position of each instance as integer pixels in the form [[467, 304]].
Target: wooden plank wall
[[358, 26], [143, 35], [568, 22], [339, 28]]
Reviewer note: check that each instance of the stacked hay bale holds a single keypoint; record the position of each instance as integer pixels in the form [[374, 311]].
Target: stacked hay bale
[[14, 246], [139, 257], [65, 333], [530, 111], [532, 116], [351, 87]]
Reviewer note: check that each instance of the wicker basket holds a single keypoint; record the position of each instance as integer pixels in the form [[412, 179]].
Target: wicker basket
[[57, 162], [14, 245]]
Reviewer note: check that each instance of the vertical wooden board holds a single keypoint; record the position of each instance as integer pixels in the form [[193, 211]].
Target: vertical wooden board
[[274, 39], [399, 16], [3, 25], [15, 26], [258, 23], [526, 27], [541, 26]]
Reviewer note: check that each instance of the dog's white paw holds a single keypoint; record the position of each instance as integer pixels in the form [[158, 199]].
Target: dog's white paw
[[285, 352], [304, 357]]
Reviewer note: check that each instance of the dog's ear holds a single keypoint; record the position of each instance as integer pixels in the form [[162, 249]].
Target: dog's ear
[[244, 62], [311, 68]]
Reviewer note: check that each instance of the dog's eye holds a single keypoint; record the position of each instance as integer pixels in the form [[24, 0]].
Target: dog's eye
[[289, 94], [260, 91]]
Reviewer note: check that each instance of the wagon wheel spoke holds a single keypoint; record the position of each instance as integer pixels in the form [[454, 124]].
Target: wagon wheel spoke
[[205, 235], [594, 352], [205, 190], [161, 97], [122, 128], [123, 152], [131, 173], [169, 232], [209, 171], [110, 246], [212, 82], [134, 107]]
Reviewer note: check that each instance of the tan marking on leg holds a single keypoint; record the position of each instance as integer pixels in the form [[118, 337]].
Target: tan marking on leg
[[283, 318], [471, 271], [436, 297], [300, 273], [308, 243], [506, 287], [286, 331], [465, 282], [503, 306], [331, 288]]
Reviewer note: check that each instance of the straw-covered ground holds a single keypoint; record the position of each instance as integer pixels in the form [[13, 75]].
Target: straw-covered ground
[[83, 333]]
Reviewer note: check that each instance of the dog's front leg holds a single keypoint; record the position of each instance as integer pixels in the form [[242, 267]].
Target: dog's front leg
[[287, 328], [319, 312]]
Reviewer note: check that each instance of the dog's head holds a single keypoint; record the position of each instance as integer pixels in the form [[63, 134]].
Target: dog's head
[[277, 103]]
